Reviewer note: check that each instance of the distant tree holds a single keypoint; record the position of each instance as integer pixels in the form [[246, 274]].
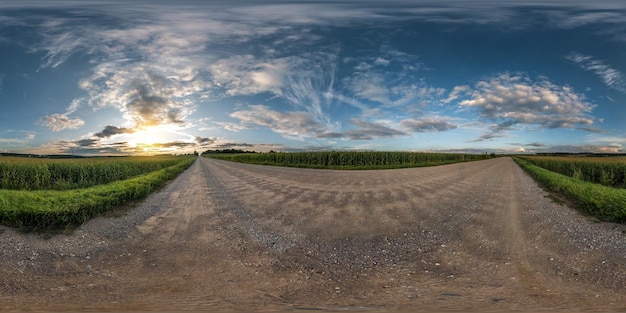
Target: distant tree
[[228, 151]]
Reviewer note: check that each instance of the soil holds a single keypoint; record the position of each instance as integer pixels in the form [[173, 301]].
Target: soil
[[226, 236]]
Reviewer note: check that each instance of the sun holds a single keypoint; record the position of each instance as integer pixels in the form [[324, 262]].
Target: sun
[[152, 135], [144, 137]]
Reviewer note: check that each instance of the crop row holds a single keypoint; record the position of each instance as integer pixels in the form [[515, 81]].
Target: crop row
[[607, 171], [65, 174], [55, 209], [352, 160]]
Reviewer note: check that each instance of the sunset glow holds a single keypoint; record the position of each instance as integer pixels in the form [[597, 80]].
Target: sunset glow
[[99, 78]]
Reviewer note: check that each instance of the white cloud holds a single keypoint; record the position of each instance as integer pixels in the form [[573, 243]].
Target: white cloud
[[59, 122], [610, 76], [456, 91], [382, 62], [513, 100]]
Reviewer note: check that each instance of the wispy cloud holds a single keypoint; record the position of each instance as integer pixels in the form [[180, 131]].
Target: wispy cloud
[[233, 127], [245, 74], [390, 79], [370, 86], [292, 124], [610, 76], [300, 125]]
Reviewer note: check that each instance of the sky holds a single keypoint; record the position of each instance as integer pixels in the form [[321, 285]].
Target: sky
[[147, 77]]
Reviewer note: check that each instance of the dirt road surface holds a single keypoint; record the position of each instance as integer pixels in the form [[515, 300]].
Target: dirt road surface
[[225, 236]]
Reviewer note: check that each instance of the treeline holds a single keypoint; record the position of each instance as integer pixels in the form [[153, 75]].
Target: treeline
[[227, 151]]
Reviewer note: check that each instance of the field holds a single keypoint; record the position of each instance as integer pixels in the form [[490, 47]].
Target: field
[[595, 185], [231, 237], [20, 173], [352, 160], [38, 194], [607, 171]]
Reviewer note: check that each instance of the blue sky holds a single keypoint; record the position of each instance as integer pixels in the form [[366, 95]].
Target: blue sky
[[141, 77]]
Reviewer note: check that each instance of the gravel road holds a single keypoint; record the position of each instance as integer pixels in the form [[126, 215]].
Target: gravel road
[[228, 236]]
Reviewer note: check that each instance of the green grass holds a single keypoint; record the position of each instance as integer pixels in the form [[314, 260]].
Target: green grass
[[55, 209], [348, 160], [605, 203]]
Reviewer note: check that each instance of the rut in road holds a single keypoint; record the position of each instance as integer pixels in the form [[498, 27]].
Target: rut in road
[[226, 235]]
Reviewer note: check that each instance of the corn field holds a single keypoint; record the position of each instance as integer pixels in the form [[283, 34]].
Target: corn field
[[42, 194], [607, 171], [343, 159], [18, 173]]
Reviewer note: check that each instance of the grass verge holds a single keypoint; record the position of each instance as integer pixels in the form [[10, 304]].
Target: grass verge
[[605, 203], [53, 209]]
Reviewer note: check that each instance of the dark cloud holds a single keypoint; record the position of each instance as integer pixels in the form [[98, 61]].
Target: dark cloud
[[151, 102], [330, 135], [496, 131], [488, 136], [110, 130], [87, 142], [202, 140], [368, 130], [152, 110], [90, 147], [233, 145], [427, 125], [535, 144], [365, 131], [592, 129]]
